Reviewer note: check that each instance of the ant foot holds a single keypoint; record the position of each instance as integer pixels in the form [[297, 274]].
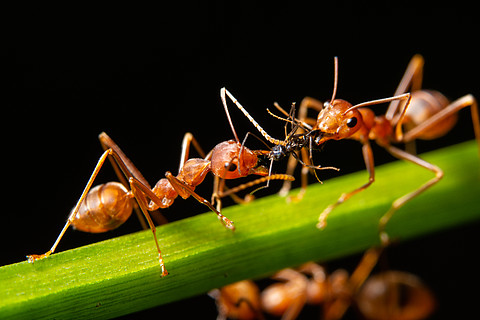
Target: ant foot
[[322, 220], [321, 224], [164, 271], [227, 223], [384, 238], [34, 257]]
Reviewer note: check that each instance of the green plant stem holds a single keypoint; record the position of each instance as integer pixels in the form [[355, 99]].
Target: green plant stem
[[122, 275]]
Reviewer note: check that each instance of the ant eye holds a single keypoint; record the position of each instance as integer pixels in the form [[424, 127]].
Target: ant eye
[[352, 122], [232, 167]]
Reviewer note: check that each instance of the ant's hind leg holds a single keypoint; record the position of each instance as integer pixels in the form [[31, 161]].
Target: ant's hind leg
[[411, 81], [124, 169], [32, 258], [400, 154], [452, 108]]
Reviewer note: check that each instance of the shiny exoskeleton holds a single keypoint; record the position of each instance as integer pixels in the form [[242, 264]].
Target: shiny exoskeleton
[[107, 206]]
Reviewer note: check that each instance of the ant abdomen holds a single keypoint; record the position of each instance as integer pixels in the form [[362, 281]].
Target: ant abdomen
[[425, 104], [106, 207]]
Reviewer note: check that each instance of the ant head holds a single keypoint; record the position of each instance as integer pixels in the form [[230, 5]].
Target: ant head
[[337, 121], [231, 161]]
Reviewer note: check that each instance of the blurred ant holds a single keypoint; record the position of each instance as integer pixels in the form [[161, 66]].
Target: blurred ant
[[387, 295], [422, 114], [107, 206]]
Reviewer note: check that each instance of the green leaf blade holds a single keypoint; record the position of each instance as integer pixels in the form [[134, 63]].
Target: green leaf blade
[[122, 275]]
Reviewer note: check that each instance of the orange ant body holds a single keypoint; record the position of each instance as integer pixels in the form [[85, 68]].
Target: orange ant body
[[424, 115], [107, 206], [387, 295]]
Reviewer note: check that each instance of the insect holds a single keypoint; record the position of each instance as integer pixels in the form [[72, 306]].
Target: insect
[[386, 295], [422, 114], [107, 206], [292, 144]]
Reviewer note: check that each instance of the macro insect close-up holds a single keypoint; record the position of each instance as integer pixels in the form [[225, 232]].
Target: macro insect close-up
[[423, 114], [105, 207], [149, 78]]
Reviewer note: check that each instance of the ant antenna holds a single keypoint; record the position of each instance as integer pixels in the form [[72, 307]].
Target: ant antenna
[[406, 96], [224, 91], [278, 117], [222, 96], [335, 78]]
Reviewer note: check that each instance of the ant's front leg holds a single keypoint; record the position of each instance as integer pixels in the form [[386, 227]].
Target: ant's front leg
[[33, 257], [368, 157]]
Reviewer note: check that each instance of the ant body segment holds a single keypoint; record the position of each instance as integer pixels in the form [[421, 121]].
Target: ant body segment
[[422, 114], [107, 206]]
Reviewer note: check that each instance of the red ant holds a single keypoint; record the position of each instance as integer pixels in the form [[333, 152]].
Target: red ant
[[423, 115], [109, 205], [387, 295]]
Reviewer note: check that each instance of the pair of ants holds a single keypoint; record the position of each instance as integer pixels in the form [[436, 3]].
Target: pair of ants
[[418, 114], [386, 295]]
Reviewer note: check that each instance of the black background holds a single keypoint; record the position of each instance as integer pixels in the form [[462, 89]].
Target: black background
[[147, 75]]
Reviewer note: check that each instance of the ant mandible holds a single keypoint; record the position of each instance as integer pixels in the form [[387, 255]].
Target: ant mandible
[[423, 114], [107, 206]]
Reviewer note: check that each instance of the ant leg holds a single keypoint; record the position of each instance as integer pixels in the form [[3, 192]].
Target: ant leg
[[120, 162], [287, 185], [305, 170], [340, 304], [400, 154], [298, 283], [189, 139], [454, 107], [232, 191], [180, 185], [124, 169], [368, 157], [307, 103], [32, 258], [411, 81], [141, 193]]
